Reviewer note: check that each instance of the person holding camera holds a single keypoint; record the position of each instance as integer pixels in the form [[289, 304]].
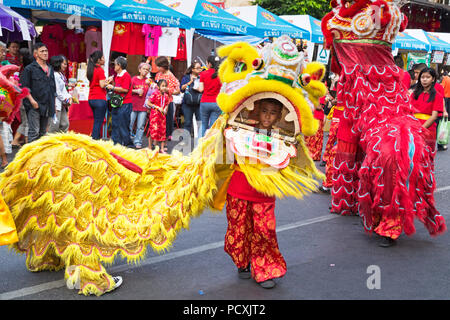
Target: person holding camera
[[121, 103]]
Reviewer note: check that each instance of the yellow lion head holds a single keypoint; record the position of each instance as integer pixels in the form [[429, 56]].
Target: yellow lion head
[[277, 70]]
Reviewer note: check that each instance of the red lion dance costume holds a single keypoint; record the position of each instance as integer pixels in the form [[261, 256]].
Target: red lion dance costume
[[383, 167]]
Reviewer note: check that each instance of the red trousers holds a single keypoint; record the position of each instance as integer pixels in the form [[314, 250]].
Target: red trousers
[[330, 153], [251, 238], [315, 142]]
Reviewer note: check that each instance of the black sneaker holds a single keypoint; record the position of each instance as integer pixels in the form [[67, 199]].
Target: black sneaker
[[387, 242], [244, 273], [325, 189], [117, 281], [268, 284]]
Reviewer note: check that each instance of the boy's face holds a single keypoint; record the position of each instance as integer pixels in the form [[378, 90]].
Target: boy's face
[[269, 113]]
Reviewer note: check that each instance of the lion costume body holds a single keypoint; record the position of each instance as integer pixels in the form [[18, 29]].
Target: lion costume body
[[77, 202], [383, 168]]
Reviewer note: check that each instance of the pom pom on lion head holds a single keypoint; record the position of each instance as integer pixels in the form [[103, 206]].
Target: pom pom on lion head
[[276, 71]]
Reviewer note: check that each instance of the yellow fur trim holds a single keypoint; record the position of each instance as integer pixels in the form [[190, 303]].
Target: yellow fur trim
[[75, 205]]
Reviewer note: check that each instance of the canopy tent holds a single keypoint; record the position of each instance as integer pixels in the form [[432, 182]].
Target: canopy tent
[[311, 24], [436, 44], [404, 41], [267, 23], [14, 27], [212, 22]]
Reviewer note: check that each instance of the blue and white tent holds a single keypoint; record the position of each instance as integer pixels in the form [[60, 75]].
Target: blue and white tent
[[436, 44], [213, 23], [109, 11], [311, 24], [404, 41], [267, 23]]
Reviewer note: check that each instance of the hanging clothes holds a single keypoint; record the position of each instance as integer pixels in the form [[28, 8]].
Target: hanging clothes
[[52, 36], [181, 49], [127, 38], [168, 42], [151, 35], [74, 45], [93, 41]]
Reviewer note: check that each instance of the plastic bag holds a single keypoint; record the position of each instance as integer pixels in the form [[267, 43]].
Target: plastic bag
[[443, 131]]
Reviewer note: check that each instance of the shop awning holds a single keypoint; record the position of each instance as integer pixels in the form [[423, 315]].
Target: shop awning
[[267, 23], [435, 42], [149, 11], [404, 41], [311, 24], [227, 38], [15, 27], [206, 16]]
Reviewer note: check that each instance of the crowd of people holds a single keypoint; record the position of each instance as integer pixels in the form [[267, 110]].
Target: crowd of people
[[147, 106], [139, 107]]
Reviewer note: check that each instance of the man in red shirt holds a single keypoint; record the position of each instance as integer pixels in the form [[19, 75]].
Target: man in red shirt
[[120, 116]]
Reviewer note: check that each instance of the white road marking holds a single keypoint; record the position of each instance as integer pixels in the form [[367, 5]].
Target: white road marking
[[152, 260], [169, 256]]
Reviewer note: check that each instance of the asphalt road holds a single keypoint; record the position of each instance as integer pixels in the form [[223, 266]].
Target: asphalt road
[[328, 257]]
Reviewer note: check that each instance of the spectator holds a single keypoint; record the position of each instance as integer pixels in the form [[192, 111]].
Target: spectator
[[174, 88], [22, 130], [97, 91], [13, 55], [120, 116], [159, 104], [39, 78], [210, 87], [427, 102], [63, 100], [188, 107], [417, 68], [140, 86], [405, 77], [4, 162]]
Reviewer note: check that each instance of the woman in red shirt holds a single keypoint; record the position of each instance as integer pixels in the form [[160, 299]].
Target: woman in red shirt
[[120, 116], [210, 87], [97, 91], [427, 103]]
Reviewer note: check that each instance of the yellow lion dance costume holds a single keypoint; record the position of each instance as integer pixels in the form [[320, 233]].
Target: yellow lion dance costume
[[78, 203]]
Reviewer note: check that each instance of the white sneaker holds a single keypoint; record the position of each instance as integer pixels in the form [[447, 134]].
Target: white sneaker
[[118, 281]]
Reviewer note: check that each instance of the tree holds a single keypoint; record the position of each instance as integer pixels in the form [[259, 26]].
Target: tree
[[316, 8]]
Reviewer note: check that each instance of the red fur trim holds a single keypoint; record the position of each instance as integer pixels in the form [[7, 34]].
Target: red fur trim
[[17, 98], [328, 36], [354, 9], [127, 164]]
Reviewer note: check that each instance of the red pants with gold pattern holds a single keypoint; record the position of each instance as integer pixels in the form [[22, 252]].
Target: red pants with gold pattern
[[330, 153], [315, 142], [251, 238]]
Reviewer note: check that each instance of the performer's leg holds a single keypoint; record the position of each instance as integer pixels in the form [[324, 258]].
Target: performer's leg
[[345, 179], [239, 231], [87, 274], [315, 143], [266, 259], [48, 260]]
